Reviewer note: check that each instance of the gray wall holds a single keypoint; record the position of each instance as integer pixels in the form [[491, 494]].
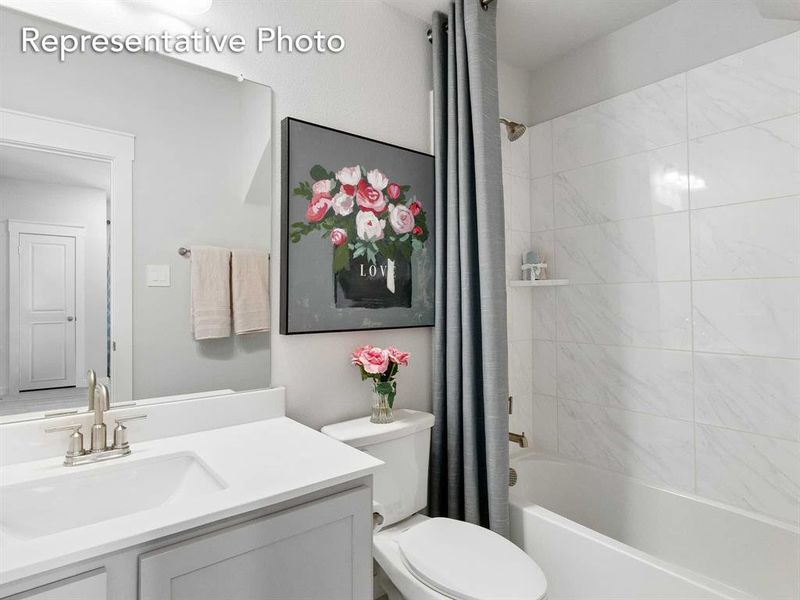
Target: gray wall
[[377, 87], [65, 205], [677, 38], [194, 182]]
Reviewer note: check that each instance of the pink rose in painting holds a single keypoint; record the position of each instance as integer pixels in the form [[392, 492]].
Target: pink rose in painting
[[415, 208], [343, 204], [401, 219], [338, 236], [377, 179], [370, 199], [369, 226], [398, 356], [374, 360], [318, 207], [323, 186], [393, 191], [349, 176]]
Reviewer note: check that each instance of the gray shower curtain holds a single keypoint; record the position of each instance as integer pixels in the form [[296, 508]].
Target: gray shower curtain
[[469, 447]]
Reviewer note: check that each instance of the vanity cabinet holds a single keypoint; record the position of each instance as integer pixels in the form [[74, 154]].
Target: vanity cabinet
[[314, 547], [314, 551], [86, 586]]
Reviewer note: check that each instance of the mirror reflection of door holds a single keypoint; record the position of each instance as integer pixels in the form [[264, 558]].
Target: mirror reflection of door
[[47, 283], [54, 322]]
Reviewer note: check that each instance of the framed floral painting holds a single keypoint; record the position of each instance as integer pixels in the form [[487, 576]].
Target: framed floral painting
[[356, 232]]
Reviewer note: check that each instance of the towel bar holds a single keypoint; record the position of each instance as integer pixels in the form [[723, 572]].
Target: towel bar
[[186, 252]]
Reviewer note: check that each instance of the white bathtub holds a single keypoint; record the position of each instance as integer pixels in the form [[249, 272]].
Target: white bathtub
[[597, 535]]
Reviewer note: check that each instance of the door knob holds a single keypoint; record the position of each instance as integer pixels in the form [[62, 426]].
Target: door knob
[[70, 319]]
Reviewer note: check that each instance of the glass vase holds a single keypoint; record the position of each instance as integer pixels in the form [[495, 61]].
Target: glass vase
[[383, 393]]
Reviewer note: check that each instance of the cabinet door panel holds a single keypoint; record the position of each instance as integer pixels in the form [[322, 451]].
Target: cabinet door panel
[[86, 586], [320, 550]]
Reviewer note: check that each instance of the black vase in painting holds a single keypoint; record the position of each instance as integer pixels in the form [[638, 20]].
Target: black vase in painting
[[382, 284]]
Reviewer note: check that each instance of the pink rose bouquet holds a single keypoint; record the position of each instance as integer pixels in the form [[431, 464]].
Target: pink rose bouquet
[[365, 215], [380, 365]]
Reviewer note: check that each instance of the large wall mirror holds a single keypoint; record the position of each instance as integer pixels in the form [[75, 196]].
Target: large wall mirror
[[109, 165]]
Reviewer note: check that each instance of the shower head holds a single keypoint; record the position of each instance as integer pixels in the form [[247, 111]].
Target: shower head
[[514, 130]]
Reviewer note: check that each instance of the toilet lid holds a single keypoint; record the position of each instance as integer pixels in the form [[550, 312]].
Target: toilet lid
[[467, 562]]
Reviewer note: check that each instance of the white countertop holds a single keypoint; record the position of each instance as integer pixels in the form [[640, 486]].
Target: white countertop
[[262, 463]]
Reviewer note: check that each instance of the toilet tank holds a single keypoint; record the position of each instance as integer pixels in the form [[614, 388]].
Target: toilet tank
[[400, 487]]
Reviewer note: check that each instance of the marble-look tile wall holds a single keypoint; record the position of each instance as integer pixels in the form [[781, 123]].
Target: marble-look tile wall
[[674, 211], [517, 203]]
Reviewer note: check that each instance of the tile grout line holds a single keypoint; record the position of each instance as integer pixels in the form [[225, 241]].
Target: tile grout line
[[686, 140], [555, 291], [691, 285], [668, 349], [687, 420], [671, 281], [751, 124], [658, 148], [743, 202], [531, 160], [664, 214]]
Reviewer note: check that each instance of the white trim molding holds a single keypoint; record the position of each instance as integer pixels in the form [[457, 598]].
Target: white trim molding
[[45, 134]]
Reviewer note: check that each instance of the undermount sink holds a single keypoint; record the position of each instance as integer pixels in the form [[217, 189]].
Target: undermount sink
[[78, 498]]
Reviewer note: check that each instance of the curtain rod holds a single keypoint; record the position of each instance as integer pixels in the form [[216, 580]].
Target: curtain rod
[[484, 5]]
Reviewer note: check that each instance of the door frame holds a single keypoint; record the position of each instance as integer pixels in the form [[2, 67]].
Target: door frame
[[56, 136], [15, 229]]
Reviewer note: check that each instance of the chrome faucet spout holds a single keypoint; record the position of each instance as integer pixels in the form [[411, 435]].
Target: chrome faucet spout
[[91, 383], [100, 403]]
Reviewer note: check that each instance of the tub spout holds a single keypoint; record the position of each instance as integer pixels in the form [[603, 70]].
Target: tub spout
[[518, 438]]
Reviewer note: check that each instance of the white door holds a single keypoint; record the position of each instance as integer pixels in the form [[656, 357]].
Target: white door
[[47, 346]]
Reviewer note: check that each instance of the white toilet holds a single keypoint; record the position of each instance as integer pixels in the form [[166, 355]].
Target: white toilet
[[420, 558]]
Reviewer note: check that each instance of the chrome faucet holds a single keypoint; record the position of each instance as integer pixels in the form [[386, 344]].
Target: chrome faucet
[[99, 448]]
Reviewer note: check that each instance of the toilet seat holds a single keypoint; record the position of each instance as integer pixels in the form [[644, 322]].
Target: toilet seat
[[466, 562]]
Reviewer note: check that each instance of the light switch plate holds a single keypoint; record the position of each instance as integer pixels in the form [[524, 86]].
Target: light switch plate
[[158, 276]]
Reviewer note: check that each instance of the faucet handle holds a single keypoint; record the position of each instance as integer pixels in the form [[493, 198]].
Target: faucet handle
[[121, 432], [75, 447]]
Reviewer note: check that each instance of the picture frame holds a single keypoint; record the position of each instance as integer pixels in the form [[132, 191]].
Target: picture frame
[[357, 232]]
